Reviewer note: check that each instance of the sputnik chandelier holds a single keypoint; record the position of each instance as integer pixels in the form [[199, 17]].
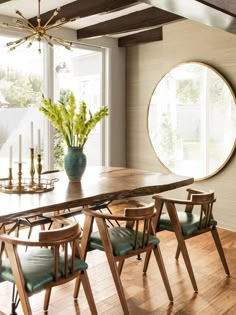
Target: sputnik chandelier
[[38, 32]]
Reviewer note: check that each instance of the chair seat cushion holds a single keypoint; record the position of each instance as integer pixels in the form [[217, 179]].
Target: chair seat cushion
[[38, 268], [189, 222], [122, 240]]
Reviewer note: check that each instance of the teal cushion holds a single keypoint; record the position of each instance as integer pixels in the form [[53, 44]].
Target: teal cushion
[[189, 222], [37, 267], [122, 240]]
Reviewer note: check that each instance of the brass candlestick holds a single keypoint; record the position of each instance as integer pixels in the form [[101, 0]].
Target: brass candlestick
[[19, 187], [10, 178], [39, 169], [32, 169]]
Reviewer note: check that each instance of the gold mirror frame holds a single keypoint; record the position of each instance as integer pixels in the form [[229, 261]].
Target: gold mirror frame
[[192, 120]]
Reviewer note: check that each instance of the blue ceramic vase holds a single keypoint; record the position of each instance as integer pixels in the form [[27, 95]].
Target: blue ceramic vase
[[75, 163]]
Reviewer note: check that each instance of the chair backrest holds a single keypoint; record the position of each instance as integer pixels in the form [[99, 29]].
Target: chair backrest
[[198, 201], [205, 202], [140, 219], [66, 237]]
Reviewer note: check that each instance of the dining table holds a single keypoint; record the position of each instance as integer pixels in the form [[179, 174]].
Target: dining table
[[98, 184]]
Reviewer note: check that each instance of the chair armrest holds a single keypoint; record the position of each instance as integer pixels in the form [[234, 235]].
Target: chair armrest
[[106, 216], [61, 220], [190, 202], [173, 200], [195, 191], [17, 240]]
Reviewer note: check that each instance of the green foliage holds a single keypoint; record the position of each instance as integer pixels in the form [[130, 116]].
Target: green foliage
[[74, 123], [188, 91], [19, 89], [14, 95], [58, 150], [36, 82], [168, 137], [64, 95]]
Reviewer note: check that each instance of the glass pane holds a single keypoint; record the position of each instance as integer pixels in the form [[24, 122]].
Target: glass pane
[[79, 71], [192, 120], [21, 85]]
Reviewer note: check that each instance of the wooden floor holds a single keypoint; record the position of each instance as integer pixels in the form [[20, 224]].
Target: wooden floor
[[146, 294]]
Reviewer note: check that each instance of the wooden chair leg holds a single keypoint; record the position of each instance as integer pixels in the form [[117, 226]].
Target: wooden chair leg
[[181, 244], [146, 262], [218, 244], [77, 287], [118, 284], [184, 251], [30, 232], [2, 245], [112, 263], [88, 292], [120, 266], [177, 253], [47, 299], [19, 279], [161, 266]]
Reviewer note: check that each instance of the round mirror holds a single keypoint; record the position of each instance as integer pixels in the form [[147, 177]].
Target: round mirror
[[192, 120]]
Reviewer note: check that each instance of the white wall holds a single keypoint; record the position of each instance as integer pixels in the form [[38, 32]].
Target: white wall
[[115, 98]]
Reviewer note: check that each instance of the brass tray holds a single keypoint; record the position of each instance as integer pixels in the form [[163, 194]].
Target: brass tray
[[26, 186]]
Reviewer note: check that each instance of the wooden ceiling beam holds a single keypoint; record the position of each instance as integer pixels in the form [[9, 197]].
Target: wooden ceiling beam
[[134, 21], [152, 35], [226, 6], [84, 8], [215, 13], [3, 1]]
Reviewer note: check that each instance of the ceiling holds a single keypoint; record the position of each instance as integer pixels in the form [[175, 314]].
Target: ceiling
[[132, 22]]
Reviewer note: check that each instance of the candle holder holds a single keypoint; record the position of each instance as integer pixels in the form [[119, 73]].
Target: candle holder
[[32, 169], [21, 185], [39, 169], [10, 178], [19, 176]]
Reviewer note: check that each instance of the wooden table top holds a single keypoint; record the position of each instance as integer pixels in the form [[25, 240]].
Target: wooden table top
[[98, 184]]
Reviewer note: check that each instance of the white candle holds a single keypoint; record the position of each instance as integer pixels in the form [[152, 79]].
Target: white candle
[[10, 157], [20, 148], [31, 135], [39, 141]]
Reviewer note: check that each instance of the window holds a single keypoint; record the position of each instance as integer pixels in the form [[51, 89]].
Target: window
[[79, 71], [22, 77], [21, 87]]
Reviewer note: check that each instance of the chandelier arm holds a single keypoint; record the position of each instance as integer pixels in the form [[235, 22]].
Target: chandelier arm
[[31, 43], [23, 40], [47, 40], [55, 25], [55, 13], [22, 27], [58, 39], [61, 42], [25, 19]]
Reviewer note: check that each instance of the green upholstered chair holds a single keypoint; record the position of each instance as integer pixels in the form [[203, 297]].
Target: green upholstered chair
[[197, 218], [134, 236], [45, 264]]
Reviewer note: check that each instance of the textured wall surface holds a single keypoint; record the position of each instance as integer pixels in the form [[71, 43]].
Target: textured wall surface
[[146, 65]]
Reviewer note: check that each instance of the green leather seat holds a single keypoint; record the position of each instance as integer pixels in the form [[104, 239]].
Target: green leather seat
[[122, 239], [37, 267], [189, 222]]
